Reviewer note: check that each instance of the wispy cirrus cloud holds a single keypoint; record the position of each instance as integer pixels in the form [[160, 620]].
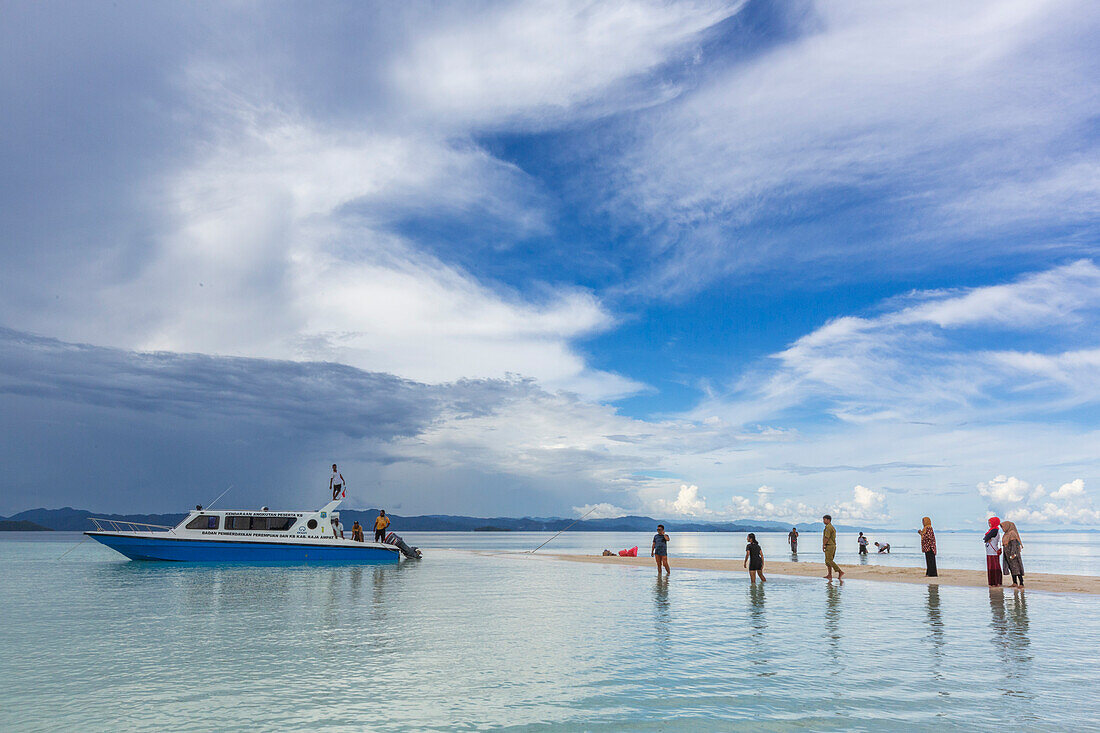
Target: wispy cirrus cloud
[[909, 135], [545, 63], [931, 356]]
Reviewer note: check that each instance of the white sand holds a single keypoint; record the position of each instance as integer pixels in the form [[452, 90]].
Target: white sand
[[974, 578]]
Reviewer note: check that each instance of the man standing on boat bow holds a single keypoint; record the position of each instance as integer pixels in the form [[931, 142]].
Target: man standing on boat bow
[[336, 483]]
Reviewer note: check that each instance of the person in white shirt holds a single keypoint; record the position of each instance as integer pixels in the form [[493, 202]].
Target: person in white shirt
[[336, 483], [993, 553]]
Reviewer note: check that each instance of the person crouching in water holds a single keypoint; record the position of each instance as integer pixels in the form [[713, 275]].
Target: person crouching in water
[[357, 532], [754, 559], [993, 554], [1011, 545], [659, 550], [380, 524]]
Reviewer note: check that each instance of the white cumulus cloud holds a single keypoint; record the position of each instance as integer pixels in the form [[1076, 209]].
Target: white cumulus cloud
[[865, 505], [1016, 500], [600, 511], [688, 503]]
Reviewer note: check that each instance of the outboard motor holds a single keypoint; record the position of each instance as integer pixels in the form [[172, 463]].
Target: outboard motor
[[393, 539]]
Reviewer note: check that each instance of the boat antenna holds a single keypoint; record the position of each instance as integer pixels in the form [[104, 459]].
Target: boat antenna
[[220, 496], [544, 544]]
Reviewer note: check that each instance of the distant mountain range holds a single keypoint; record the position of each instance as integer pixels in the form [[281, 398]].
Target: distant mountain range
[[74, 520]]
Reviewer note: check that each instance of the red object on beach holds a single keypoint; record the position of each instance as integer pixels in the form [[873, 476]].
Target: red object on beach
[[632, 552]]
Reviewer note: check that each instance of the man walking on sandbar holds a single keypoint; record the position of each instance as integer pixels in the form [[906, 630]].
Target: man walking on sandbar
[[828, 546], [659, 550]]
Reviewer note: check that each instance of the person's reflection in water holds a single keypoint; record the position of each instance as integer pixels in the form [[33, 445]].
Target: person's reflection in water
[[832, 625], [1018, 665], [357, 583], [333, 604], [998, 622], [662, 615], [757, 618], [1011, 640], [759, 654], [1018, 623], [935, 629], [378, 580]]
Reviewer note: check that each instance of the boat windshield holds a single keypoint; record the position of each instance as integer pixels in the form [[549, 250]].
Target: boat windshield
[[259, 524], [203, 521]]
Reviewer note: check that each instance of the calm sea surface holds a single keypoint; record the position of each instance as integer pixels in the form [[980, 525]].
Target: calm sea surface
[[468, 641]]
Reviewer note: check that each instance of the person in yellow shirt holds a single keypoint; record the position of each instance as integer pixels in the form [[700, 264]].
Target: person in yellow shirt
[[380, 525], [828, 546]]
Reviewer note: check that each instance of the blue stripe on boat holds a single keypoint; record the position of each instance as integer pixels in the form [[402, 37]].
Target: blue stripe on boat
[[186, 550]]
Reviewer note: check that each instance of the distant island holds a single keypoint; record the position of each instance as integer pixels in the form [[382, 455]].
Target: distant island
[[21, 525], [69, 519]]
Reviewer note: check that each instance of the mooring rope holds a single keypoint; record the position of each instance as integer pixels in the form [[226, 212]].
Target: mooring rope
[[78, 544], [544, 544]]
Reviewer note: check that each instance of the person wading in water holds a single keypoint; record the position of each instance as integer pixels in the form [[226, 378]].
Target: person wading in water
[[754, 559], [659, 549]]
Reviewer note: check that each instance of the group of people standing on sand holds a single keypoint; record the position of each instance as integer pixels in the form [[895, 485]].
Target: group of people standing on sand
[[1004, 548], [1003, 554]]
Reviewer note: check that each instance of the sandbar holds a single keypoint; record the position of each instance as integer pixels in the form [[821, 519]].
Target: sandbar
[[1047, 582]]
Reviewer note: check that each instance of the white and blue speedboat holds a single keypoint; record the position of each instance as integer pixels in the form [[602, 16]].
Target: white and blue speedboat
[[243, 536]]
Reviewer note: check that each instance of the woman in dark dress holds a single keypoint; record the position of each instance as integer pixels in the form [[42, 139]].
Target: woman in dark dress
[[754, 559], [1010, 548]]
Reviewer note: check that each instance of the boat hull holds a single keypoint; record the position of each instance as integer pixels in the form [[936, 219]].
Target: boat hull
[[218, 551]]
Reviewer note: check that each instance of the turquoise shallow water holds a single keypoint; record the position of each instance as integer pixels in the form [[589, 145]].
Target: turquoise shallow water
[[464, 641]]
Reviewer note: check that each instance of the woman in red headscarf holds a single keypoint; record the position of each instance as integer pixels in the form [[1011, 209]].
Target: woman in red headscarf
[[993, 554]]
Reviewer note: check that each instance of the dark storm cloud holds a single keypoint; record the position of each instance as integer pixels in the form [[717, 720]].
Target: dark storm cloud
[[117, 430], [306, 396]]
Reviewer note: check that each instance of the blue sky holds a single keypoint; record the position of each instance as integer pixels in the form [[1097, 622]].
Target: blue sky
[[709, 259]]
